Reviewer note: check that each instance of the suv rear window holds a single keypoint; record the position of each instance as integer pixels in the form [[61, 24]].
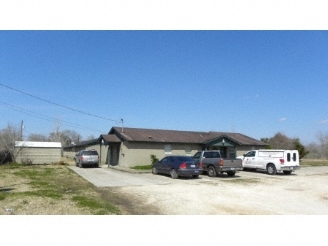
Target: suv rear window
[[90, 152]]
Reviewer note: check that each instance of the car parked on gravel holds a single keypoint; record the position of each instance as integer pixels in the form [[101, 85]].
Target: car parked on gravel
[[177, 166], [87, 158]]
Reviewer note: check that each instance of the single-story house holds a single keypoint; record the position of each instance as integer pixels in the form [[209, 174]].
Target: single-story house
[[133, 146], [29, 152]]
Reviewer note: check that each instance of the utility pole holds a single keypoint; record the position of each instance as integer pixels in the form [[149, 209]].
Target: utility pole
[[22, 127], [122, 125]]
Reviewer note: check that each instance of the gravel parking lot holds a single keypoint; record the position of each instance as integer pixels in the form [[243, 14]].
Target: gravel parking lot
[[255, 193]]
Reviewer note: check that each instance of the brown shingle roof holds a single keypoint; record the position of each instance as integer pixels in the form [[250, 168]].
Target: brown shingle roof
[[174, 136], [110, 138]]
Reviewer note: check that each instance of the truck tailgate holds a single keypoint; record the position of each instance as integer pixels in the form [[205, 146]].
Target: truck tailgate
[[235, 163]]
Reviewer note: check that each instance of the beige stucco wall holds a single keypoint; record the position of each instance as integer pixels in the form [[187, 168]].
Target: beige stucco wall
[[138, 154], [38, 155]]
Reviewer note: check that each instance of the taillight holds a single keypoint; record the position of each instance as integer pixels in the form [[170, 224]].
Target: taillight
[[200, 165], [282, 161], [221, 162], [183, 165]]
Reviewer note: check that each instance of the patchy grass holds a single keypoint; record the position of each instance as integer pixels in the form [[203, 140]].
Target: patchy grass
[[313, 162], [100, 207], [49, 189], [145, 167]]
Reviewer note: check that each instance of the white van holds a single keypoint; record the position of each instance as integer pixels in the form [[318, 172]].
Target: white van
[[272, 160]]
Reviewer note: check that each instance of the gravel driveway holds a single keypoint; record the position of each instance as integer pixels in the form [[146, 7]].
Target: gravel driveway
[[304, 192]]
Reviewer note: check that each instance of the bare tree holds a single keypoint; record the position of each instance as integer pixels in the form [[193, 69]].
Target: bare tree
[[90, 137], [8, 136], [314, 151], [73, 136], [323, 144], [37, 138]]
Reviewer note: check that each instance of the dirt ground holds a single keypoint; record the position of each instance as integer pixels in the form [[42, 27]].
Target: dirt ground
[[249, 193]]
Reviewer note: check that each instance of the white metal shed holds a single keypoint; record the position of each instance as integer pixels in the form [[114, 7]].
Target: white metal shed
[[38, 152]]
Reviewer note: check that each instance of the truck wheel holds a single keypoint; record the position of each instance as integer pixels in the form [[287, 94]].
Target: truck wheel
[[287, 172], [154, 170], [211, 171], [231, 173], [271, 169], [174, 174]]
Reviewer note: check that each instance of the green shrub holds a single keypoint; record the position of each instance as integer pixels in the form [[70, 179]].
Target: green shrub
[[154, 159], [145, 167]]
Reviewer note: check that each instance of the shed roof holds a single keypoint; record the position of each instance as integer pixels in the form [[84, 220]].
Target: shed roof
[[30, 144]]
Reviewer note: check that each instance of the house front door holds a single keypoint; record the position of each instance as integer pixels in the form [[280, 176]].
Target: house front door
[[223, 151]]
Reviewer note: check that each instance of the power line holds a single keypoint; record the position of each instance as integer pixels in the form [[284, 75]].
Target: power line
[[40, 116], [57, 104]]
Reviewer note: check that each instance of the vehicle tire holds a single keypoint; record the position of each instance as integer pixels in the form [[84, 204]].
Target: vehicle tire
[[287, 172], [211, 171], [154, 170], [195, 176], [271, 169], [231, 173], [174, 174]]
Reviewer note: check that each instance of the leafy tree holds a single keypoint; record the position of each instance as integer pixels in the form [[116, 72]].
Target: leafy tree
[[301, 149], [281, 141]]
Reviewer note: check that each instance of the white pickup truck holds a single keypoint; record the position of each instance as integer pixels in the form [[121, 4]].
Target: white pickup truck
[[271, 160]]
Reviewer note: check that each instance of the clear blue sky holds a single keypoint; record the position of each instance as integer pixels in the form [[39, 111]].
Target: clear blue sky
[[256, 83]]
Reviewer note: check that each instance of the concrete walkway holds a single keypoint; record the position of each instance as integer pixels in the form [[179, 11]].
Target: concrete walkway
[[119, 176]]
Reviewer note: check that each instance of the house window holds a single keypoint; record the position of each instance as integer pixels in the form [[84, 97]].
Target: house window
[[188, 151], [168, 149]]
